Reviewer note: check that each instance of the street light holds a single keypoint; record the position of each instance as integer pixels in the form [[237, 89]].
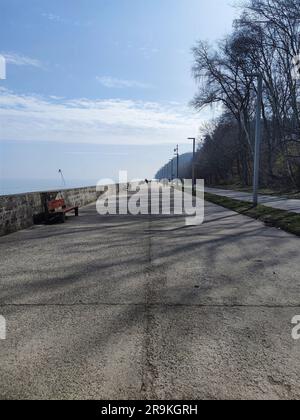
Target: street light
[[194, 162], [171, 167], [176, 151], [258, 136]]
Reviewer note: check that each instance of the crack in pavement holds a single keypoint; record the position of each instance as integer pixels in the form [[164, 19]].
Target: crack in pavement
[[149, 305], [149, 370]]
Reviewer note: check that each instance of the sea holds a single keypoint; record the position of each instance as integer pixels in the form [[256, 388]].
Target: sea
[[19, 186]]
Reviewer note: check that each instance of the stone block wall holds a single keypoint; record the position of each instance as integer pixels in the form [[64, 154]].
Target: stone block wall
[[19, 211]]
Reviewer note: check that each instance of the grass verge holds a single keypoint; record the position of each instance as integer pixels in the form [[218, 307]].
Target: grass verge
[[281, 219], [291, 194]]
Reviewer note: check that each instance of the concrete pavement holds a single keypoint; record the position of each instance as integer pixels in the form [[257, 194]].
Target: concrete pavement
[[143, 307], [281, 203]]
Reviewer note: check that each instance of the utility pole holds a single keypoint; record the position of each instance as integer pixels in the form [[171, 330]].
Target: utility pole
[[177, 156], [171, 169], [194, 162], [258, 136]]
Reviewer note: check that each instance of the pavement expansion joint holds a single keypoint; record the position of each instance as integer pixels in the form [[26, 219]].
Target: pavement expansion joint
[[151, 305]]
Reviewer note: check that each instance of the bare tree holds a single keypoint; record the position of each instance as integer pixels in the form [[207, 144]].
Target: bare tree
[[264, 40]]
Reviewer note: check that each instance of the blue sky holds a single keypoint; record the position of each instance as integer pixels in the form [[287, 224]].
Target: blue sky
[[88, 76]]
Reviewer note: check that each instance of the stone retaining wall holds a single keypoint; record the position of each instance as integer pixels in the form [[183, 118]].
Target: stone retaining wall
[[20, 211]]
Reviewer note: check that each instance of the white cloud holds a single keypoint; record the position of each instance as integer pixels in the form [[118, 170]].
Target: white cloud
[[21, 60], [2, 68], [148, 52], [52, 17], [31, 117], [59, 19], [111, 82]]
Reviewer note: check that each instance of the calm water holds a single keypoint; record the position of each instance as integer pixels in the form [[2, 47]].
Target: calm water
[[17, 186]]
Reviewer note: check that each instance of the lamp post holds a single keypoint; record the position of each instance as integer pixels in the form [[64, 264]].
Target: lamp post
[[177, 156], [171, 167], [258, 136], [194, 162]]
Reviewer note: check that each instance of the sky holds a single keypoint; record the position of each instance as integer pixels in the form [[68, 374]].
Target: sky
[[98, 86]]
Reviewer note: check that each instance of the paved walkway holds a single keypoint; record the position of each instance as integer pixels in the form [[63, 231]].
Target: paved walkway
[[143, 307], [281, 203]]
